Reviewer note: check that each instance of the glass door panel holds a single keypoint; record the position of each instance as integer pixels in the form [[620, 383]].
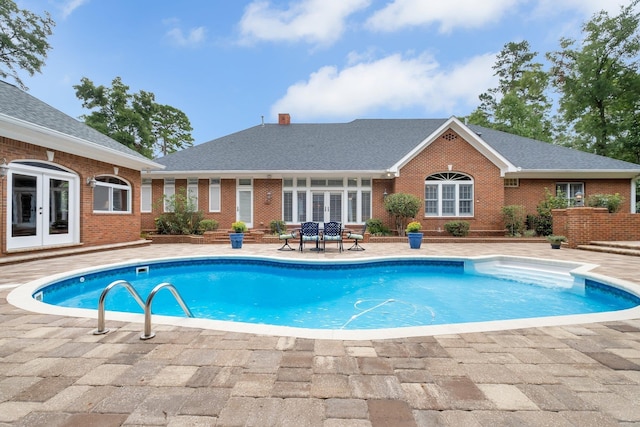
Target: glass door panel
[[317, 201], [335, 207], [58, 206], [245, 207], [24, 207]]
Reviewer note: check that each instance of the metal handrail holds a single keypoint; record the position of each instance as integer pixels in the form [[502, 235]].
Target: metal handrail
[[147, 308], [101, 329]]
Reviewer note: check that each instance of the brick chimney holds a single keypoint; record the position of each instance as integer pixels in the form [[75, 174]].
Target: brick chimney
[[284, 119]]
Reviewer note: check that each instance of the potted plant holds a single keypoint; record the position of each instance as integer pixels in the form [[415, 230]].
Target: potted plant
[[556, 241], [414, 234], [239, 228]]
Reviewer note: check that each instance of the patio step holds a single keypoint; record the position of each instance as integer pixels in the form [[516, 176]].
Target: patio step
[[620, 248]]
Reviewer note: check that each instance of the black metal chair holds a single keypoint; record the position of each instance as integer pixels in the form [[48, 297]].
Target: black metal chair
[[309, 232], [356, 239], [285, 235], [332, 232]]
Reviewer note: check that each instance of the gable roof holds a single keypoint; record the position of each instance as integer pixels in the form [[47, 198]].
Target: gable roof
[[26, 118], [374, 147]]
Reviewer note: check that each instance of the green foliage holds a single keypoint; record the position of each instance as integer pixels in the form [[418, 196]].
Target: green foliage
[[613, 202], [556, 240], [23, 41], [514, 217], [182, 216], [414, 227], [136, 121], [377, 228], [402, 206], [457, 228], [239, 227], [207, 225], [519, 104], [599, 84], [273, 226], [544, 221]]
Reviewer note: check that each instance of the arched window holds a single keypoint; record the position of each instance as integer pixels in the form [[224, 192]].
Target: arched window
[[111, 194], [448, 194]]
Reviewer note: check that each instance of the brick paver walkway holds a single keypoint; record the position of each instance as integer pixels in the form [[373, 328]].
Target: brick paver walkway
[[54, 372]]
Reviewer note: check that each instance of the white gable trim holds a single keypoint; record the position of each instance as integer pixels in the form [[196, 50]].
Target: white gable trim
[[473, 138], [21, 130]]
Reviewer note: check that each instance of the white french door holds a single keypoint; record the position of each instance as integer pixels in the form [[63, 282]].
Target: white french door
[[244, 205], [326, 206], [43, 207]]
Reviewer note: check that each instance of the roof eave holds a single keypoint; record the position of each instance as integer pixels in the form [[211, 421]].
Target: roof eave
[[575, 173], [262, 174], [31, 133]]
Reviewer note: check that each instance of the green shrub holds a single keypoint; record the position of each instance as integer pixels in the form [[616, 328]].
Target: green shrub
[[239, 227], [544, 221], [402, 206], [457, 228], [613, 202], [182, 216], [273, 226], [377, 228], [207, 225], [514, 217], [414, 227]]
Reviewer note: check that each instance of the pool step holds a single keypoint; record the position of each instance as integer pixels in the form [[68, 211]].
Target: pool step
[[527, 274]]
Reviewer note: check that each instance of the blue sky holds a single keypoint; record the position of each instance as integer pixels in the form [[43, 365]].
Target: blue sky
[[226, 64]]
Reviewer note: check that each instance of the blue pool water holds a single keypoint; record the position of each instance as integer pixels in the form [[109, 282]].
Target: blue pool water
[[369, 295]]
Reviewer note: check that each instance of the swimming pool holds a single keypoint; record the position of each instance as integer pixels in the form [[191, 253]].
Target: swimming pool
[[350, 299]]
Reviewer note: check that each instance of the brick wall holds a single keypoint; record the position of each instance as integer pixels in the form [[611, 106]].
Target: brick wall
[[452, 149], [584, 225], [95, 229]]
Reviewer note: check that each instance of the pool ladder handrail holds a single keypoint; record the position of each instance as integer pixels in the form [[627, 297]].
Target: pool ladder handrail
[[101, 315], [147, 334]]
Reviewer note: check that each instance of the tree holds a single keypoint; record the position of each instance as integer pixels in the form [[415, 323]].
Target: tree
[[402, 206], [23, 41], [135, 120], [519, 104], [599, 84]]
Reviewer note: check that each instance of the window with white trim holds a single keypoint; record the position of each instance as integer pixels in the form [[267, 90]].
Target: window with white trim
[[111, 194], [448, 194], [169, 191], [192, 191], [146, 195], [568, 191], [214, 195], [298, 192]]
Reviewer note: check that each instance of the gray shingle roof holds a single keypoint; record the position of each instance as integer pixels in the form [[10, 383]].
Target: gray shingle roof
[[18, 104], [363, 145]]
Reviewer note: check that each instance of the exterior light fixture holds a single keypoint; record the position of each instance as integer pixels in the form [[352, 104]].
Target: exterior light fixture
[[579, 199], [4, 168], [385, 194], [269, 196], [91, 182]]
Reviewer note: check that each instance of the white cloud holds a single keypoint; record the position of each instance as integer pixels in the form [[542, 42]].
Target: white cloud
[[320, 22], [69, 6], [585, 7], [194, 37], [448, 14], [392, 83]]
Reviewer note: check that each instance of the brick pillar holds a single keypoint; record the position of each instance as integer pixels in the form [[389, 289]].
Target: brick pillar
[[580, 225]]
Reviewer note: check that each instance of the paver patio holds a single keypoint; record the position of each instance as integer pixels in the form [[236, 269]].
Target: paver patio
[[55, 372]]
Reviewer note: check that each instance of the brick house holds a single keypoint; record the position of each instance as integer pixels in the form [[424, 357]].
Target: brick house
[[62, 184], [321, 172]]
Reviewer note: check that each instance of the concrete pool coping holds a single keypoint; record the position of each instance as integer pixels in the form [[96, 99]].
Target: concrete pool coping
[[21, 297]]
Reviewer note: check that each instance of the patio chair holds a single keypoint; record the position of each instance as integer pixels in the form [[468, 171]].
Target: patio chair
[[332, 233], [309, 232], [356, 239], [285, 235]]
